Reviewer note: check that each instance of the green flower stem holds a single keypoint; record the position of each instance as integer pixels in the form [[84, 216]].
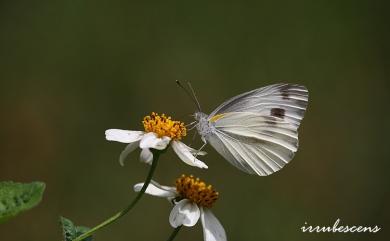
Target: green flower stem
[[174, 233], [156, 155]]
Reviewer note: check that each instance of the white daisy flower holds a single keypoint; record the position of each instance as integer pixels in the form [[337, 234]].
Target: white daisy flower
[[192, 200], [160, 131]]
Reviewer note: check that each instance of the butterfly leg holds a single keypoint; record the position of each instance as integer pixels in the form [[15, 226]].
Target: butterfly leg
[[192, 127], [193, 139], [200, 149], [191, 124]]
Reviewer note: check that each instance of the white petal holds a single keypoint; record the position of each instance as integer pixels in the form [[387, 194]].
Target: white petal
[[146, 156], [184, 153], [129, 148], [184, 213], [150, 140], [212, 228], [123, 136], [155, 189]]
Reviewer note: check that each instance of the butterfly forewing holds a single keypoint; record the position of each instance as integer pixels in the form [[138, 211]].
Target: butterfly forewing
[[257, 131], [286, 101]]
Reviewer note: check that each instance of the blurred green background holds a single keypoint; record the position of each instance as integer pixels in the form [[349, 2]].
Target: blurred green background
[[69, 70]]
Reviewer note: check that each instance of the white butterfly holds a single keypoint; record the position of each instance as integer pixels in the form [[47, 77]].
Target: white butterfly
[[256, 131]]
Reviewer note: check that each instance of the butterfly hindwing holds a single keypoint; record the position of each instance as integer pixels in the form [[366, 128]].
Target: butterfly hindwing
[[253, 143]]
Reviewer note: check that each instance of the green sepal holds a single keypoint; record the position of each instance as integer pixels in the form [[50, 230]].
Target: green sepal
[[70, 231]]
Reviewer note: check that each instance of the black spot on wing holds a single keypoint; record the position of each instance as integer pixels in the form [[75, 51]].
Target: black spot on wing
[[285, 95], [278, 112], [292, 91], [284, 91]]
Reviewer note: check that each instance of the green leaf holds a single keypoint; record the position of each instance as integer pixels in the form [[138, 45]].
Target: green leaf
[[70, 231], [18, 197]]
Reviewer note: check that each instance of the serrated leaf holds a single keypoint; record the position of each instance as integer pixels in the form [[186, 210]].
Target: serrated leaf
[[70, 231], [18, 197]]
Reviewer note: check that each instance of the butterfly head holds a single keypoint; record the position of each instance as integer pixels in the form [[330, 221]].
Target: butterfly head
[[203, 126], [200, 116]]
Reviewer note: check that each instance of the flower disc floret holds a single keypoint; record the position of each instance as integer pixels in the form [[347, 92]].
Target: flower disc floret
[[196, 191], [164, 126], [160, 133]]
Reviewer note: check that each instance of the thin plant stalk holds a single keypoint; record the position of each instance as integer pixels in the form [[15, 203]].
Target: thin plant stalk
[[174, 233], [156, 155]]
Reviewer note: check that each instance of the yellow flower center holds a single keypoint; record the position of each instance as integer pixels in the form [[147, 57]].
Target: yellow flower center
[[164, 126], [196, 191]]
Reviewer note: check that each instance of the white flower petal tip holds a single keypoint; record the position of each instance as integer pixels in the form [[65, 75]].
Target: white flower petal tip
[[129, 148], [150, 140], [155, 189], [146, 156], [123, 136], [184, 213], [184, 152], [212, 228]]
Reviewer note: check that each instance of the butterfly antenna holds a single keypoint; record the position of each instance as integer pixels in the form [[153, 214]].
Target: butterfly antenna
[[194, 95], [191, 95]]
